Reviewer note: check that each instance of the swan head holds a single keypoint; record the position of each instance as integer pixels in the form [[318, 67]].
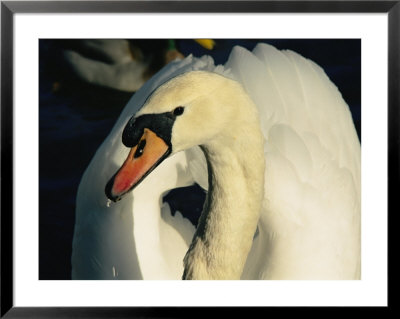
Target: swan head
[[194, 108]]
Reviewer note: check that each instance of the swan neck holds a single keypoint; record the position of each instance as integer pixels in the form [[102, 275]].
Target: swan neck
[[229, 220]]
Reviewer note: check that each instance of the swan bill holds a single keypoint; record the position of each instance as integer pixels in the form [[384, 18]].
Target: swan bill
[[149, 152]]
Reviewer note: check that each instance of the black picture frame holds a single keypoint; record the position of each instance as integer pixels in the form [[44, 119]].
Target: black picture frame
[[9, 8]]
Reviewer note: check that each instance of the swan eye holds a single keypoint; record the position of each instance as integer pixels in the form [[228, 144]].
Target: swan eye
[[179, 110], [140, 148]]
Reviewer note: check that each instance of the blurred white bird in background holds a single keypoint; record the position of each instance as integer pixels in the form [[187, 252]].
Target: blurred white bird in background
[[122, 64]]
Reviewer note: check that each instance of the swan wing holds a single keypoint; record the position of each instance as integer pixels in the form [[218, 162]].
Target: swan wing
[[310, 223]]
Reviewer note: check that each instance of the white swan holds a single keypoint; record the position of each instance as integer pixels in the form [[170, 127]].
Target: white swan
[[268, 109], [118, 64]]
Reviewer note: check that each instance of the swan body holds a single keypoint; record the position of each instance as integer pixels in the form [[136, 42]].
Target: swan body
[[280, 159]]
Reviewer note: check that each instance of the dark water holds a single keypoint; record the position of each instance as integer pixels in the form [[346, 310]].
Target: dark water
[[75, 117]]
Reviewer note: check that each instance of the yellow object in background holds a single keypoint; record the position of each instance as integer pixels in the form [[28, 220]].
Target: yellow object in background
[[206, 43]]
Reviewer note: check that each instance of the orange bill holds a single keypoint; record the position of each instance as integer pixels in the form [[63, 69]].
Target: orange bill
[[142, 159]]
